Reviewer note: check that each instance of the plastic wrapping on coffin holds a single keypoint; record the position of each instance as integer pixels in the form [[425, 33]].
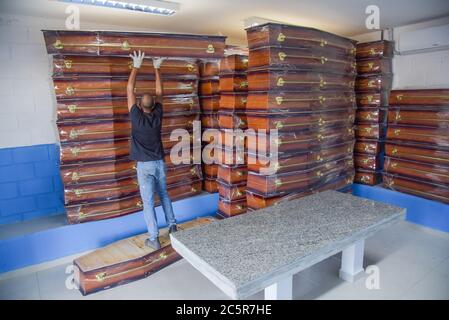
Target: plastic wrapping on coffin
[[112, 43], [420, 188], [257, 201], [106, 88], [378, 82], [436, 97], [209, 103], [233, 63], [273, 34], [234, 82], [300, 121], [371, 115], [126, 260], [300, 141], [295, 161], [210, 185], [371, 147], [75, 66], [417, 152], [226, 156], [80, 152], [209, 67], [374, 66], [284, 101], [370, 131], [422, 171], [428, 136], [302, 59], [301, 180], [294, 80], [375, 49], [368, 177], [209, 120], [232, 120], [372, 99], [233, 101], [232, 174], [208, 86], [425, 116], [232, 139], [232, 192], [368, 162], [228, 208], [210, 170]]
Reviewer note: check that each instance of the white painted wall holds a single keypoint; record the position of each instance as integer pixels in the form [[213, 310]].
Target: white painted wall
[[419, 70]]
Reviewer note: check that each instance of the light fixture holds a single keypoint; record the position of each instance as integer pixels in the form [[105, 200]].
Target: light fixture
[[158, 7]]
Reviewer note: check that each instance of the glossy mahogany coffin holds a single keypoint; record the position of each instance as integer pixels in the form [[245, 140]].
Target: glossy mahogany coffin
[[109, 43], [234, 63], [371, 115], [372, 99], [368, 177], [369, 147], [210, 185], [413, 169], [435, 97], [208, 86], [209, 103], [232, 174], [232, 192], [370, 131], [233, 82], [371, 66], [233, 101], [209, 67], [126, 260], [417, 152], [425, 135], [425, 116], [227, 208], [232, 120], [377, 82], [377, 49]]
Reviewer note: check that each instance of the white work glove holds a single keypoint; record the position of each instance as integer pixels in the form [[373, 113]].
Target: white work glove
[[137, 59], [157, 62]]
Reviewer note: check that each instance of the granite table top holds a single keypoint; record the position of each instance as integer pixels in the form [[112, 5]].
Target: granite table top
[[244, 254]]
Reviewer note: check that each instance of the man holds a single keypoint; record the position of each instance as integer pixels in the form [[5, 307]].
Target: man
[[147, 150]]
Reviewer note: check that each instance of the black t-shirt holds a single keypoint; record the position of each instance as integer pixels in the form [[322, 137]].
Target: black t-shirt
[[146, 142]]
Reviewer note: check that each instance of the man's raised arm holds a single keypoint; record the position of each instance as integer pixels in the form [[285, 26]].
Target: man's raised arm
[[137, 62], [159, 87]]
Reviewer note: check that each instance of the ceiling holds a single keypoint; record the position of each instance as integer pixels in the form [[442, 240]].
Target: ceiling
[[225, 17]]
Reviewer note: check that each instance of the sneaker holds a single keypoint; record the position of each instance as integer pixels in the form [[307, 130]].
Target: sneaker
[[154, 244], [173, 228]]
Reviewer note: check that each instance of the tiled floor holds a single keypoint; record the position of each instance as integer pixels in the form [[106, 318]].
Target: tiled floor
[[413, 263]]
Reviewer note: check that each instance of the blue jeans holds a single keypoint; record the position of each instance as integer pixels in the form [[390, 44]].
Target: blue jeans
[[151, 177]]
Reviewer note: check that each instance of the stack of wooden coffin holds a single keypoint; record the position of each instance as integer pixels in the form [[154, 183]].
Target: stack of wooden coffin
[[209, 101], [90, 76], [300, 82], [417, 146], [373, 84], [232, 174]]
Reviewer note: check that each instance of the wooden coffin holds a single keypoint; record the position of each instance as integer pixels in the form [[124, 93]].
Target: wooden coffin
[[74, 66], [273, 34], [427, 116], [112, 43], [105, 87], [230, 139], [210, 185], [184, 173], [281, 101], [368, 177], [436, 97], [376, 82], [209, 120], [420, 188], [97, 171], [111, 208], [375, 49], [226, 156], [297, 80], [209, 103], [232, 192], [73, 131], [77, 152], [418, 170], [100, 191], [301, 121], [118, 108], [371, 115], [374, 66], [233, 101], [368, 161], [417, 152], [280, 163], [209, 86], [232, 208], [234, 63], [425, 135], [372, 99], [233, 82], [232, 120], [370, 131], [209, 68], [210, 170], [257, 201], [299, 141], [302, 59], [371, 147], [127, 260], [231, 174], [299, 180]]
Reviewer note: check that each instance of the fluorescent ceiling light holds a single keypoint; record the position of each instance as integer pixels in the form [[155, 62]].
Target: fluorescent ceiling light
[[158, 7]]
